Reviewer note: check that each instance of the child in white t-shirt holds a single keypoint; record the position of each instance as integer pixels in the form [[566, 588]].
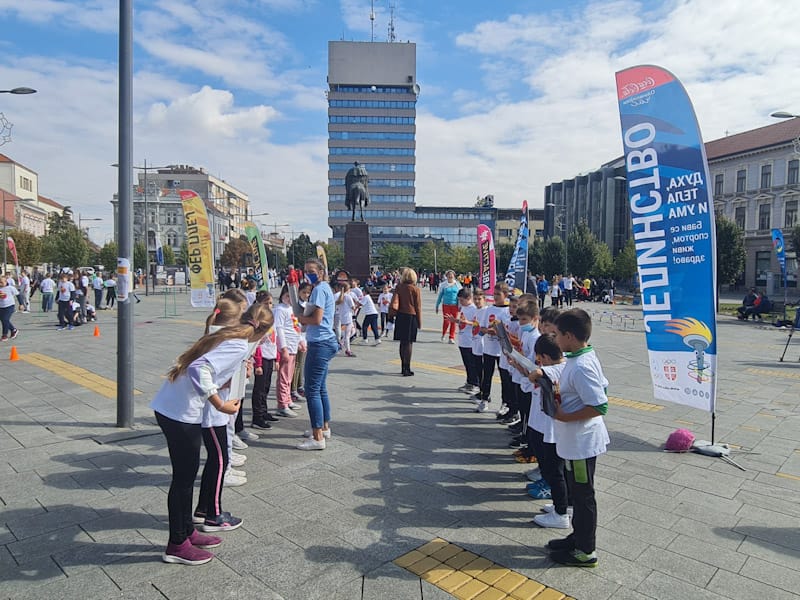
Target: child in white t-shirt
[[345, 307], [194, 381], [541, 428], [479, 299], [383, 306], [580, 434], [287, 329], [464, 319], [497, 312]]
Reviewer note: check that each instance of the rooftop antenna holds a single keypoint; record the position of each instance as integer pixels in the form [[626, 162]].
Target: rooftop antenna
[[391, 37], [372, 19]]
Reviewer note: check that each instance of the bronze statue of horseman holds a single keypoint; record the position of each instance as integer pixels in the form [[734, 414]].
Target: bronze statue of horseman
[[356, 184]]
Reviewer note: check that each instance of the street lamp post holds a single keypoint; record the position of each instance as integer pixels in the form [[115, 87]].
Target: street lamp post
[[146, 168], [5, 224], [82, 220], [562, 226]]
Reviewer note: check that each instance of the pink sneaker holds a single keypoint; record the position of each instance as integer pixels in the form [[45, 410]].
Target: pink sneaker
[[186, 554], [204, 541]]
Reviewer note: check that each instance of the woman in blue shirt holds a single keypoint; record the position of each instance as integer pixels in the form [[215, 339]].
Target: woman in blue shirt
[[322, 347]]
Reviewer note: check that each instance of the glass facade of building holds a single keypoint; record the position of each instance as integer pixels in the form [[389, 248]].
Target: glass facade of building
[[372, 99]]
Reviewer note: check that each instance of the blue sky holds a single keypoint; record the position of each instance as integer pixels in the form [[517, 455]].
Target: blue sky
[[515, 94]]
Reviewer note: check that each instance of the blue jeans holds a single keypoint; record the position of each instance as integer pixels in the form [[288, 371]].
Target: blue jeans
[[47, 301], [5, 319], [318, 359]]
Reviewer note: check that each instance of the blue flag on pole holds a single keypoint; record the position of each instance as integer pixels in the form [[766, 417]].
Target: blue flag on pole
[[516, 274], [780, 251], [159, 252], [673, 231]]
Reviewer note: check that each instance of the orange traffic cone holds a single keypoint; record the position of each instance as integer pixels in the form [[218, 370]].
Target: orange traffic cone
[[96, 331], [14, 354]]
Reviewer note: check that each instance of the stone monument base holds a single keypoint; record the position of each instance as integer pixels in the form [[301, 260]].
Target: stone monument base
[[357, 244]]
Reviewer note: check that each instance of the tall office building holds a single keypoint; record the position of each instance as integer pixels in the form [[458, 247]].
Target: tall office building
[[372, 100]]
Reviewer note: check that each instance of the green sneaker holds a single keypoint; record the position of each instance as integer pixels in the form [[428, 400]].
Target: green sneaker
[[574, 558]]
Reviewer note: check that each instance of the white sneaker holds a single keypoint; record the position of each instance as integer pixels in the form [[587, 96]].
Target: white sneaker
[[466, 389], [326, 433], [237, 472], [237, 460], [238, 444], [548, 508], [451, 342], [232, 480], [502, 410], [286, 412], [247, 436], [294, 406], [482, 407], [311, 444], [552, 520], [378, 342]]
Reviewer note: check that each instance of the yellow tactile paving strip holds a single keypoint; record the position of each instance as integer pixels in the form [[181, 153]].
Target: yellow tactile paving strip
[[467, 576], [774, 373], [100, 385]]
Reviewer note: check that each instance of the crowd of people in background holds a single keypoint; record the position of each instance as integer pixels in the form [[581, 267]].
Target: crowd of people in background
[[67, 292]]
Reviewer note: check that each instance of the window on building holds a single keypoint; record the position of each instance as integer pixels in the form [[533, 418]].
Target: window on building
[[790, 213], [172, 239], [26, 183], [172, 218], [762, 265], [741, 180], [719, 179], [766, 176], [740, 216], [763, 217], [793, 175]]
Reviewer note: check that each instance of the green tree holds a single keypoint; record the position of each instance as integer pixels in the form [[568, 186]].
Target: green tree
[[169, 255], [604, 263], [461, 259], [334, 254], [301, 249], [140, 256], [582, 246], [535, 255], [108, 256], [394, 256], [730, 251], [552, 257], [29, 247], [65, 246], [183, 255], [56, 223], [234, 252], [503, 253], [431, 254], [625, 262], [794, 240]]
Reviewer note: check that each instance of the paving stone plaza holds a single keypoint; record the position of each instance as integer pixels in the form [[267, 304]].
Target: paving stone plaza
[[410, 467]]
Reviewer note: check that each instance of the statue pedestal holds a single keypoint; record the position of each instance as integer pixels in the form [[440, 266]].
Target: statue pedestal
[[357, 244]]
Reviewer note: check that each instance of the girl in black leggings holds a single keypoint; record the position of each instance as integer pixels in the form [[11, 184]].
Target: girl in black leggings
[[201, 375]]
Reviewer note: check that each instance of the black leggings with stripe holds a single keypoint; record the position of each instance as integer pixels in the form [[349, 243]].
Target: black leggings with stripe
[[215, 440]]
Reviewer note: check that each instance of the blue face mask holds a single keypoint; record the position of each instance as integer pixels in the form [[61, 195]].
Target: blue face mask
[[312, 278], [528, 327]]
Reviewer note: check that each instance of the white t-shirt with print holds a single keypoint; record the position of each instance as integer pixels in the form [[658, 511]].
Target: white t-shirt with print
[[466, 313], [582, 384], [65, 289], [491, 345], [477, 338], [537, 419], [383, 302]]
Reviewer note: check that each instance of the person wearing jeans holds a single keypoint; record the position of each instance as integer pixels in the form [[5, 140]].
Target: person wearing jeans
[[322, 347]]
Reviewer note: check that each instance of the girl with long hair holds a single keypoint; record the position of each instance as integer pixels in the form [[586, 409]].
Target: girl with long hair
[[199, 376]]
